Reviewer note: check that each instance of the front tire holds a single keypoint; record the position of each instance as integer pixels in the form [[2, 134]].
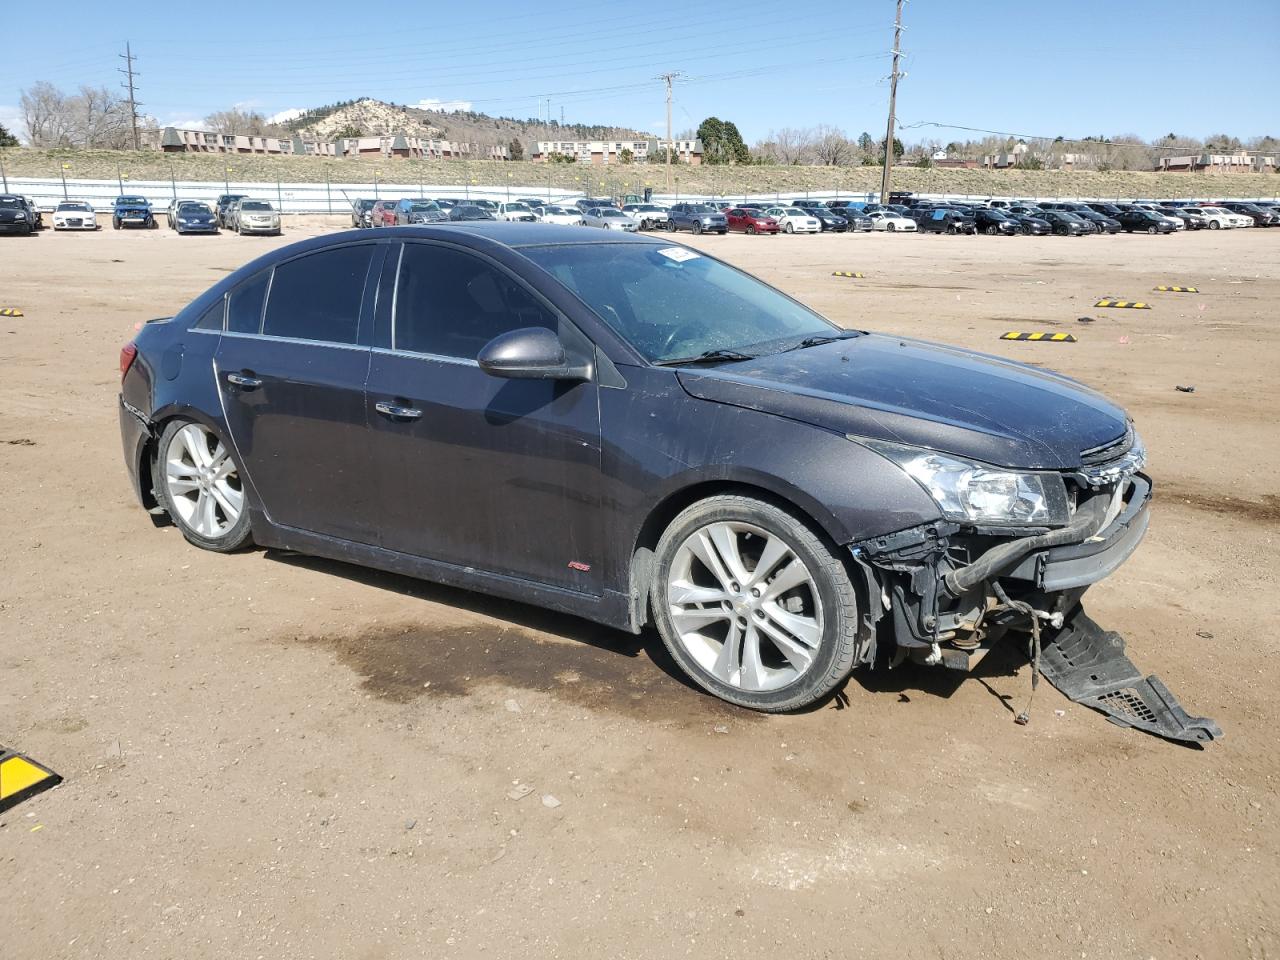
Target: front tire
[[1214, 225], [1152, 230], [753, 605], [697, 227], [789, 228], [197, 481]]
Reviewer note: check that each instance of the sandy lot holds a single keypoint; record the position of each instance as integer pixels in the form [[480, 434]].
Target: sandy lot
[[269, 756]]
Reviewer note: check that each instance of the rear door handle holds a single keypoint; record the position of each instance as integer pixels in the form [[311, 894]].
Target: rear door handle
[[397, 411], [242, 380]]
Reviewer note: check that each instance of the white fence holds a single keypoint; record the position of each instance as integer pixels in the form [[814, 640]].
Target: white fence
[[337, 197]]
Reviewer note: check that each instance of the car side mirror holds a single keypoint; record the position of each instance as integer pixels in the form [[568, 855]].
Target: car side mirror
[[531, 353]]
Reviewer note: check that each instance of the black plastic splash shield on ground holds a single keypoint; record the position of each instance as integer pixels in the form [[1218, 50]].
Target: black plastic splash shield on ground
[[1089, 665]]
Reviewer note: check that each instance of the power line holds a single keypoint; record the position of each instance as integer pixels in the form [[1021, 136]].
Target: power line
[[893, 96], [128, 71], [1093, 142]]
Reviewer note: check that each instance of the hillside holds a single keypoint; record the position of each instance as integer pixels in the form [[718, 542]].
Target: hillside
[[718, 181], [377, 118]]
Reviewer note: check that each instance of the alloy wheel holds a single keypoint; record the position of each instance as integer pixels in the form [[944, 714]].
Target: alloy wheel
[[745, 606], [202, 482]]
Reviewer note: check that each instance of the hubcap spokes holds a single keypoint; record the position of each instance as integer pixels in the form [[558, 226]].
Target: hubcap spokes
[[202, 481], [745, 606]]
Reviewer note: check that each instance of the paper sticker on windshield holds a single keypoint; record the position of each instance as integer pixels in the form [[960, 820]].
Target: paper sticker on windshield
[[678, 254]]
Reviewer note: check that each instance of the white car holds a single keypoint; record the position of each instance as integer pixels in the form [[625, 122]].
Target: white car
[[794, 220], [74, 215], [891, 222], [1220, 218], [651, 215], [566, 216], [609, 218], [515, 211]]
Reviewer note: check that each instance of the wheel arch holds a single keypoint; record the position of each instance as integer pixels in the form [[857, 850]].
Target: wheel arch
[[642, 557], [148, 450]]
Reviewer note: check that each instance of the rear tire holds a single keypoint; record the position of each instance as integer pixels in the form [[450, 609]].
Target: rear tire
[[806, 641], [789, 228], [751, 230], [198, 482]]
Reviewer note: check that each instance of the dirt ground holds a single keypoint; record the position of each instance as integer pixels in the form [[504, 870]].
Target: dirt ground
[[268, 756]]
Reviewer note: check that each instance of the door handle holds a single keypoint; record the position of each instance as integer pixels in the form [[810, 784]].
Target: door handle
[[243, 380], [397, 411]]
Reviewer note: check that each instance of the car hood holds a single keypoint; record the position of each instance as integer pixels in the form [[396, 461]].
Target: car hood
[[925, 394]]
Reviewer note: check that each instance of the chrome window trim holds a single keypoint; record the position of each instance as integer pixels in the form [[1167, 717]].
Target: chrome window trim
[[416, 355], [304, 340]]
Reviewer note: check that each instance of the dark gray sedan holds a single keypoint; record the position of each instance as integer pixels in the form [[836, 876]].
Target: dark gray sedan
[[626, 429]]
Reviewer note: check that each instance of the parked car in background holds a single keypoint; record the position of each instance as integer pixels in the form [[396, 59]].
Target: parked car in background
[[995, 223], [698, 217], [383, 213], [609, 218], [409, 212], [132, 211], [1144, 221], [1064, 223], [15, 215], [795, 220], [1220, 218], [194, 216], [484, 204], [255, 216], [651, 216], [741, 487], [565, 216], [1179, 213], [750, 220], [533, 203], [891, 222], [516, 211], [74, 215], [1033, 224], [1261, 216], [829, 221], [943, 220], [361, 210], [36, 216], [1106, 209], [447, 203], [222, 208], [463, 212], [1194, 216], [1101, 222]]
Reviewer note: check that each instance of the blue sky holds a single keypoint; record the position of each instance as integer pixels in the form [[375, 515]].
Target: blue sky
[[1030, 67]]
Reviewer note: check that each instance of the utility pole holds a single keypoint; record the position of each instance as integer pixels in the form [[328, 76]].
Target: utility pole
[[128, 59], [893, 96], [668, 77]]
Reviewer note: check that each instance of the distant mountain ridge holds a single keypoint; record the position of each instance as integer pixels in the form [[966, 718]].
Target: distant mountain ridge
[[375, 118]]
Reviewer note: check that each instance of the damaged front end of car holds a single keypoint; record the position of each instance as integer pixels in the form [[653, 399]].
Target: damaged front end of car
[[1013, 554]]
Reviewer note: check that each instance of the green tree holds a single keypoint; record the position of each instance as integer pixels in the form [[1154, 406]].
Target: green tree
[[516, 149], [7, 139], [349, 132], [625, 155], [898, 150], [865, 143], [721, 142]]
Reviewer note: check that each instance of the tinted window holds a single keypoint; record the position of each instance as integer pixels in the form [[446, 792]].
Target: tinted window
[[317, 297], [452, 303], [211, 319], [244, 310]]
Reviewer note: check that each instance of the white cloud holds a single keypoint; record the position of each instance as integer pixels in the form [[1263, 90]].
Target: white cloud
[[443, 106], [187, 124], [245, 106], [284, 116]]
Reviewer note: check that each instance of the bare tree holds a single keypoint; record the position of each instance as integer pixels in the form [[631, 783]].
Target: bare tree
[[791, 146], [44, 111], [831, 146], [241, 123]]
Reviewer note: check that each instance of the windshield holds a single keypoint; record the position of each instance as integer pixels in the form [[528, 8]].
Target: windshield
[[193, 208], [10, 203], [79, 207], [556, 211], [424, 205], [995, 215], [255, 205], [612, 213], [672, 302], [132, 201], [512, 206]]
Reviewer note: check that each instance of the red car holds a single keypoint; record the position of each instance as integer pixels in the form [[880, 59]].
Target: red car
[[750, 221], [383, 214]]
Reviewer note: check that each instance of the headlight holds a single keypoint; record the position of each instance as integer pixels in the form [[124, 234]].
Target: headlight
[[977, 493], [180, 220], [20, 216]]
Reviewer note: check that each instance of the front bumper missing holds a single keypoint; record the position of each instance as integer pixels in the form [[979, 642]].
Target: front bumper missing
[[1088, 665]]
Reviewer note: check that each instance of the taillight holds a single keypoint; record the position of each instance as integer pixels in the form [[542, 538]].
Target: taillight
[[128, 353]]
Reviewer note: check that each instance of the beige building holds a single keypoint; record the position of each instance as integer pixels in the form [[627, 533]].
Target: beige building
[[604, 152], [1208, 163], [175, 140]]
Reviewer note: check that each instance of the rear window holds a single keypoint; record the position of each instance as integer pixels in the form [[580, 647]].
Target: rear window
[[317, 297]]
